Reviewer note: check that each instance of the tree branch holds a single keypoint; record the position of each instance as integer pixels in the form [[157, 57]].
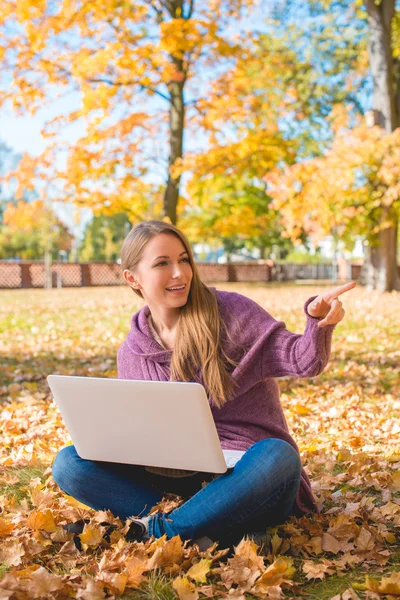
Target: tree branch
[[189, 15], [123, 83]]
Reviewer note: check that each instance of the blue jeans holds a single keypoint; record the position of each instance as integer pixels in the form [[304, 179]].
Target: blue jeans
[[258, 492]]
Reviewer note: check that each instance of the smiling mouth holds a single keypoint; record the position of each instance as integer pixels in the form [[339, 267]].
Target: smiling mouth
[[180, 288]]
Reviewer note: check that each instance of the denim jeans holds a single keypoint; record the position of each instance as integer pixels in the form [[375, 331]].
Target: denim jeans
[[258, 492]]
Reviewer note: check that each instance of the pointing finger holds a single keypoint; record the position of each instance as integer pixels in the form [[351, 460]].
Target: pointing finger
[[340, 289]]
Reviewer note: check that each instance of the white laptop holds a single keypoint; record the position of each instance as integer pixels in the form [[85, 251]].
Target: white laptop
[[151, 423]]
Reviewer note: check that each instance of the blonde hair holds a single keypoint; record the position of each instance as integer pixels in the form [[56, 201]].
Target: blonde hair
[[200, 325]]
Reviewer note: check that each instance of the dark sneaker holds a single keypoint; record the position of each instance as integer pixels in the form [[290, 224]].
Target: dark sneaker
[[137, 532]]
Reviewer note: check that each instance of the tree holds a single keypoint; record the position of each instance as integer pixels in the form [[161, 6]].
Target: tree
[[128, 61], [103, 238], [383, 272], [383, 54], [29, 229], [346, 193], [269, 109]]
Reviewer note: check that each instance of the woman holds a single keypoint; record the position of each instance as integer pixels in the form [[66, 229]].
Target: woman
[[232, 346]]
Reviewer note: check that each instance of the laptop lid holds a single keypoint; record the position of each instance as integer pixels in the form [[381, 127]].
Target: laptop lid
[[150, 423]]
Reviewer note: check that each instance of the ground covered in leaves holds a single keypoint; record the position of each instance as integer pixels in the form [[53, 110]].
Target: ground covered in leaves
[[345, 421]]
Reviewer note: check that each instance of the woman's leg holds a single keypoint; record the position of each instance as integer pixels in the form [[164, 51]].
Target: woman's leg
[[124, 489], [261, 488]]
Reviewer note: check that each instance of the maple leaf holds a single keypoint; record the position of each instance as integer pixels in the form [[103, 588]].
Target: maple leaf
[[185, 589], [280, 570], [43, 520], [330, 544], [42, 583], [92, 591], [365, 540], [115, 582], [90, 536], [11, 553], [6, 527], [135, 568], [317, 570], [199, 571], [168, 553]]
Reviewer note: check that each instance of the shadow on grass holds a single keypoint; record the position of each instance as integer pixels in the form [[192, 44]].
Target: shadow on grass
[[35, 369]]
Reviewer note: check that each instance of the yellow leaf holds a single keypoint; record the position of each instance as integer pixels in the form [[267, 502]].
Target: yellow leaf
[[300, 409], [395, 485], [199, 571], [43, 520], [390, 585], [185, 589], [5, 527], [135, 568], [91, 535], [73, 502], [275, 574], [116, 582]]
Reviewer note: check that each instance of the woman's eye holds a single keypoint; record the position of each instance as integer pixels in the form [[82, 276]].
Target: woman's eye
[[164, 262]]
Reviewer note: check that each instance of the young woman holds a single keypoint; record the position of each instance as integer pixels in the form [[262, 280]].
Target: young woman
[[191, 332]]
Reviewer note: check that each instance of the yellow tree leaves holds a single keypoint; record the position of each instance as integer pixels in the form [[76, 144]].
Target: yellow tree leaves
[[344, 192], [31, 228], [121, 61]]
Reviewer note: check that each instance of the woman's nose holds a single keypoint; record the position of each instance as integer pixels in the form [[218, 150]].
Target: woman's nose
[[177, 271]]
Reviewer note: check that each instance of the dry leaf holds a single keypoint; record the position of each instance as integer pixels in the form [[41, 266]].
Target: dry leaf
[[91, 536], [185, 589], [41, 520], [199, 571], [11, 553], [41, 583], [331, 544], [6, 527], [135, 568]]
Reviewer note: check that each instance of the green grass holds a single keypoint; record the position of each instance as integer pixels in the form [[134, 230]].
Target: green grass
[[25, 476], [158, 587]]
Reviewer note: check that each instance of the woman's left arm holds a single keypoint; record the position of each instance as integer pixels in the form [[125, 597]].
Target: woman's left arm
[[286, 353]]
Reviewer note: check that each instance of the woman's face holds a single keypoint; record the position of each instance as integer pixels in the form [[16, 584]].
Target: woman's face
[[164, 264]]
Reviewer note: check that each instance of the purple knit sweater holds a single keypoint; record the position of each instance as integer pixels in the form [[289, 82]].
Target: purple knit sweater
[[271, 351]]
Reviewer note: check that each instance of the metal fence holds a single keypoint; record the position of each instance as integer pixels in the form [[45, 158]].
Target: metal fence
[[14, 275]]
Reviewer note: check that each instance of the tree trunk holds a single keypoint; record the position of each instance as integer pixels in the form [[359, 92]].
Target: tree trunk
[[176, 124], [176, 121], [263, 250], [381, 268]]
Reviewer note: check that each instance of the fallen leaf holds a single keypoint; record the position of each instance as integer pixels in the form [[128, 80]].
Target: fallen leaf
[[6, 527], [185, 589], [42, 583], [41, 520], [199, 571], [330, 544], [11, 553]]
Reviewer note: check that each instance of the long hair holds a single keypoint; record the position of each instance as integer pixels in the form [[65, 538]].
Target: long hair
[[197, 345]]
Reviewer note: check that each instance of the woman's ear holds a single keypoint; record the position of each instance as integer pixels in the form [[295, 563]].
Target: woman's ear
[[130, 279]]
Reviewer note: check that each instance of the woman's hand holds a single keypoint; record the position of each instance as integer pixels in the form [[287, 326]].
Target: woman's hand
[[328, 306]]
